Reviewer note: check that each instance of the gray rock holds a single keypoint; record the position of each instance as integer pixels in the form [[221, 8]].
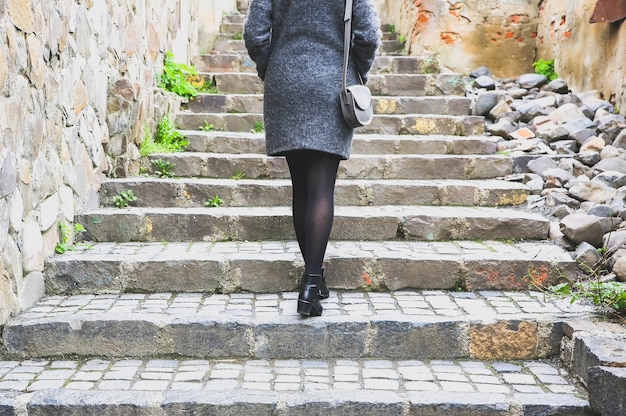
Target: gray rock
[[582, 135], [611, 178], [561, 175], [485, 101], [529, 111], [602, 210], [601, 105], [529, 81], [612, 126], [541, 164], [620, 140], [480, 72], [562, 99], [582, 228], [558, 85], [556, 199], [485, 82], [588, 158], [611, 151], [563, 147], [500, 109], [587, 255], [567, 113], [502, 128], [561, 211], [592, 191], [517, 93], [614, 164], [614, 240]]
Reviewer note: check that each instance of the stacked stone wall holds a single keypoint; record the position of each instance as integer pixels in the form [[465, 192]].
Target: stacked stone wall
[[77, 93]]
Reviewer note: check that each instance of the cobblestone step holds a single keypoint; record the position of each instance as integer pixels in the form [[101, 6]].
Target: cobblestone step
[[253, 103], [269, 267], [193, 192], [419, 124], [363, 144], [405, 325], [288, 387], [241, 62], [374, 223], [417, 85], [372, 167]]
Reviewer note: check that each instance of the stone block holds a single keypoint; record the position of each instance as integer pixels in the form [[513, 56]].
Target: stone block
[[264, 274], [187, 275], [399, 273], [591, 351], [208, 338], [553, 404], [94, 403], [325, 337], [80, 277], [504, 340], [458, 404], [344, 403], [607, 387], [7, 403], [223, 403], [111, 337], [419, 339]]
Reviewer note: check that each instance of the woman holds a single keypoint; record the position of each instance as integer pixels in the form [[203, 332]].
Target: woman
[[298, 46]]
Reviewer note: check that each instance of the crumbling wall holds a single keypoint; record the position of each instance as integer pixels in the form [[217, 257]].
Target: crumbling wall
[[590, 56]]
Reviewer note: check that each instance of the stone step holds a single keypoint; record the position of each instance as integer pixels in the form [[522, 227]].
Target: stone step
[[421, 124], [242, 142], [405, 325], [383, 64], [253, 103], [229, 28], [194, 192], [411, 166], [175, 387], [372, 223], [270, 267], [229, 45], [419, 85]]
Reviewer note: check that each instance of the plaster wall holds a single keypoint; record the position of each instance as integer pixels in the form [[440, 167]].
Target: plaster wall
[[590, 56]]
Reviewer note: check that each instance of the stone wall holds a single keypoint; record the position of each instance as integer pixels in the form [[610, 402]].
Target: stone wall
[[589, 56], [77, 91]]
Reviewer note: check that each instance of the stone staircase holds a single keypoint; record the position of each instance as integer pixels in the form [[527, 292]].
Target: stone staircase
[[178, 308]]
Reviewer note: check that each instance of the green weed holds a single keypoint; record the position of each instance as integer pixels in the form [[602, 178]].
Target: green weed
[[163, 168], [214, 203], [545, 67], [124, 199], [175, 77], [67, 233]]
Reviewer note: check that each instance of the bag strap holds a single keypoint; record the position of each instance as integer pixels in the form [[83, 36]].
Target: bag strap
[[347, 18]]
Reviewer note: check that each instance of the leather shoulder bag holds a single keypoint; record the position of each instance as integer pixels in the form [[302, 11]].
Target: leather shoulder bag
[[356, 100]]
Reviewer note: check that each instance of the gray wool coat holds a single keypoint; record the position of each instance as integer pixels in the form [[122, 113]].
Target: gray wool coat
[[297, 46]]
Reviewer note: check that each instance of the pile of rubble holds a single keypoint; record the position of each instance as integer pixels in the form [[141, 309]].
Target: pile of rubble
[[570, 149]]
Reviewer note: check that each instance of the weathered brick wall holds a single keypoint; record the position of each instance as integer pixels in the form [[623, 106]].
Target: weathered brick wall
[[77, 88], [589, 56], [468, 34]]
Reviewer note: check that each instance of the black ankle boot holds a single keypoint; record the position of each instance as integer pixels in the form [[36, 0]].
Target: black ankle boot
[[309, 298], [324, 292]]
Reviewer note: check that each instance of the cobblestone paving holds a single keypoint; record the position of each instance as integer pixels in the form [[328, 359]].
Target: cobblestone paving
[[418, 303], [535, 377]]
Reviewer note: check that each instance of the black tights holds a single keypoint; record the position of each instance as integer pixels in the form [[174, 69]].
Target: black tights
[[313, 185]]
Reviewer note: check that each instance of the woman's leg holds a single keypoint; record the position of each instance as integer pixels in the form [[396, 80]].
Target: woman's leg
[[313, 177], [313, 180]]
